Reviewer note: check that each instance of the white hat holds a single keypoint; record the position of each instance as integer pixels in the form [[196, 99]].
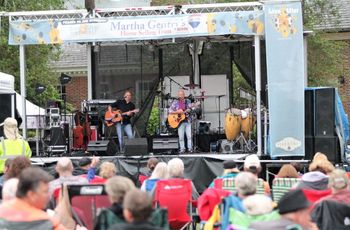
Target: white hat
[[252, 160], [10, 128]]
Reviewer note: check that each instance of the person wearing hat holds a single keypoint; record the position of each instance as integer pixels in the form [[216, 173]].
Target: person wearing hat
[[230, 171], [252, 164], [295, 214], [12, 145]]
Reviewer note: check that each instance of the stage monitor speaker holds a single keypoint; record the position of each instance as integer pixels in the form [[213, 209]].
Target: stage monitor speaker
[[136, 146], [163, 144], [103, 147], [309, 148], [309, 112], [324, 112], [327, 146]]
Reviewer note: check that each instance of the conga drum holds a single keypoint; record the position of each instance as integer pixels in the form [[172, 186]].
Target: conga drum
[[232, 123], [248, 122]]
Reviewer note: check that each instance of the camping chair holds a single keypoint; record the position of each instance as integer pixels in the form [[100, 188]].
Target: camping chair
[[176, 196], [228, 184], [88, 198], [280, 186], [315, 195]]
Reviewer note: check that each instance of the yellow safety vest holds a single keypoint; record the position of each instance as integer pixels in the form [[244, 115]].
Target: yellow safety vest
[[12, 149]]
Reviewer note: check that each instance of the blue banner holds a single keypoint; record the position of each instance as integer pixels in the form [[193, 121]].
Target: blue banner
[[135, 28], [285, 72]]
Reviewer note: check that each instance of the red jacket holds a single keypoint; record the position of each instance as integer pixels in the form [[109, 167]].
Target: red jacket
[[208, 200]]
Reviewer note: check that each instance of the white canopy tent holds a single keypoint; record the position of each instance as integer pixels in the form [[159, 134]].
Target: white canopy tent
[[31, 108], [7, 83]]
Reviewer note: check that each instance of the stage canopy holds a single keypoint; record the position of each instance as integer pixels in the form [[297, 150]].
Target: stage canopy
[[278, 22]]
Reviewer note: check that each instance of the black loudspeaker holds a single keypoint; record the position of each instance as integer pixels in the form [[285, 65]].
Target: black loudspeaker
[[324, 112], [57, 136], [309, 112], [6, 109], [136, 146], [103, 148], [327, 146], [309, 147], [89, 5]]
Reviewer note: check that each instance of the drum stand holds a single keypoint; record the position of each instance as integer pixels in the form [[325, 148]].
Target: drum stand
[[243, 143]]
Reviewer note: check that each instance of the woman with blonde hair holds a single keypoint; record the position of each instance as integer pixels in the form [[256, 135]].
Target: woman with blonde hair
[[321, 163], [107, 170], [287, 171], [159, 172]]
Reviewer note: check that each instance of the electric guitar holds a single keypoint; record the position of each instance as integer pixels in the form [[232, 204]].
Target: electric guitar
[[116, 116], [174, 119]]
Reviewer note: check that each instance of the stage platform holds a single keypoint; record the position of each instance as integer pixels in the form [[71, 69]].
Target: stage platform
[[201, 168]]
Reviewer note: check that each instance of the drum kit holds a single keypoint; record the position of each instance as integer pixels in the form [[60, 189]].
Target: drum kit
[[239, 125]]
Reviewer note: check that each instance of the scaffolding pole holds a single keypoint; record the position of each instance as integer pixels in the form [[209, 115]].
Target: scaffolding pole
[[258, 91], [22, 64]]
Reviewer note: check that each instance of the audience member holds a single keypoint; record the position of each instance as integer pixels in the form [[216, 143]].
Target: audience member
[[252, 164], [83, 166], [321, 163], [64, 168], [17, 166], [159, 172], [313, 181], [137, 210], [339, 184], [287, 171], [230, 171], [258, 204], [9, 189], [13, 145], [26, 210], [295, 214], [176, 170], [151, 165], [6, 169], [116, 188], [107, 170]]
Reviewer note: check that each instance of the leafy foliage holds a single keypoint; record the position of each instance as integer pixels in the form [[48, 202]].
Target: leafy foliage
[[38, 58]]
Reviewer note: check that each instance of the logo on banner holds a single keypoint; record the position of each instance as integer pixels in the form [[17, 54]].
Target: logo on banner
[[285, 21], [288, 144]]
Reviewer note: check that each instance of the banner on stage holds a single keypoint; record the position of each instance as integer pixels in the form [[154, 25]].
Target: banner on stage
[[135, 28], [285, 71]]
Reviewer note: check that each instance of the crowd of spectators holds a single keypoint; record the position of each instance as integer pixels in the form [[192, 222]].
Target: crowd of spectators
[[27, 190]]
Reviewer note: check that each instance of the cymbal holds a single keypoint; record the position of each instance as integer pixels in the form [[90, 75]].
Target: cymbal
[[192, 86]]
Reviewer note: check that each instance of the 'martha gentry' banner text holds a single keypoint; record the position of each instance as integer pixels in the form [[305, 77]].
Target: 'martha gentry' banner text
[[135, 28]]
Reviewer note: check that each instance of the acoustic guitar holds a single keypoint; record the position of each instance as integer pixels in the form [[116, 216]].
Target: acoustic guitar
[[112, 117], [175, 119]]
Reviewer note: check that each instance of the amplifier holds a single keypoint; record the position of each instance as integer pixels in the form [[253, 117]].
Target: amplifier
[[165, 143]]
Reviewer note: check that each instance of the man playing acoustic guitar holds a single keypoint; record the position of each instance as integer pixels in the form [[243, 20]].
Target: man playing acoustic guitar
[[125, 109], [180, 107]]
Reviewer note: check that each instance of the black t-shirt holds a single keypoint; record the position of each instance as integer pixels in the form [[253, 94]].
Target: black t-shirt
[[124, 107]]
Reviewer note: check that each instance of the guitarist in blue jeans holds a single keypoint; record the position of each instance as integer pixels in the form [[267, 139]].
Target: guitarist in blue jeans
[[180, 106], [127, 108]]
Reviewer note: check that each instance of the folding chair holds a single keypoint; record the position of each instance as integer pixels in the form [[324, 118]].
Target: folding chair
[[228, 184], [176, 196], [315, 195], [88, 198], [280, 186]]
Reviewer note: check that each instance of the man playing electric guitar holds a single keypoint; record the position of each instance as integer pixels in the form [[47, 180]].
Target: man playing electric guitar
[[180, 107], [127, 108]]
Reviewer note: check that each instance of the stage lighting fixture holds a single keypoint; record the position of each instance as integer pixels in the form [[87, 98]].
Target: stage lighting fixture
[[65, 79]]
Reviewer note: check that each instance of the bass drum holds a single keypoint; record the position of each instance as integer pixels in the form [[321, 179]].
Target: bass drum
[[232, 123], [248, 122]]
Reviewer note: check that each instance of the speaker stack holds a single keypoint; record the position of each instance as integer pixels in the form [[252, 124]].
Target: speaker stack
[[320, 133]]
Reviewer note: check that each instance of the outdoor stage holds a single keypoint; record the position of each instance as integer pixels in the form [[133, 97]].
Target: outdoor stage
[[201, 168]]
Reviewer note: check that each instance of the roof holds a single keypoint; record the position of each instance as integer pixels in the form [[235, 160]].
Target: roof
[[73, 59], [340, 21]]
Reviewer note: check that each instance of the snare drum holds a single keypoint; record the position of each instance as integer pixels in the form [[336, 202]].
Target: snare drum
[[232, 123]]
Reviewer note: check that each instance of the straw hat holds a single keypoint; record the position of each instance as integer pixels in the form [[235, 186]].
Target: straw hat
[[10, 128]]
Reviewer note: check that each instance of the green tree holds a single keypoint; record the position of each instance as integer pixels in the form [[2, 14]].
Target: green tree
[[38, 57]]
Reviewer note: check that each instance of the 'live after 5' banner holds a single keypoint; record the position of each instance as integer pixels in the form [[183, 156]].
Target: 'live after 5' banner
[[136, 28], [285, 71]]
